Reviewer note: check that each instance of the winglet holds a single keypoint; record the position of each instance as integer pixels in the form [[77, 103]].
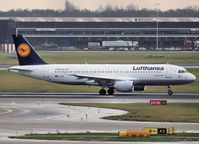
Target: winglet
[[25, 52]]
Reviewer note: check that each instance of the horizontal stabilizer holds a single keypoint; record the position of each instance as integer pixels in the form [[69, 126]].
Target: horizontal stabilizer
[[20, 69]]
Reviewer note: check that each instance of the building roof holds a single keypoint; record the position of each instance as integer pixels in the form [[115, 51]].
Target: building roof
[[103, 19], [4, 18]]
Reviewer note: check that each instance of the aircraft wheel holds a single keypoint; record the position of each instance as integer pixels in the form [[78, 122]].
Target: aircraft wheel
[[111, 91], [170, 92], [102, 92]]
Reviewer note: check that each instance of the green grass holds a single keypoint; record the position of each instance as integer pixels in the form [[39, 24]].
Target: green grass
[[173, 112], [110, 137], [14, 82], [149, 57]]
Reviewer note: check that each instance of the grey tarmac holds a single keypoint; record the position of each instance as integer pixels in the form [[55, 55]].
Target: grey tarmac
[[25, 112]]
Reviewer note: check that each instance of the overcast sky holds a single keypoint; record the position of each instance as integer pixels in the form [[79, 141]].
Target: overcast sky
[[94, 4]]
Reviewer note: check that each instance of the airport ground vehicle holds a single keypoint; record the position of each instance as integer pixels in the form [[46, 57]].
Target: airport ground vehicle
[[134, 133]]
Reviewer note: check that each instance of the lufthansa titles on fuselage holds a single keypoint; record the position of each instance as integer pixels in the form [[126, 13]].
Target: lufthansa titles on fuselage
[[148, 68]]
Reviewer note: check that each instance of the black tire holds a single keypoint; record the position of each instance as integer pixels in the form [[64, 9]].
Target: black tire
[[110, 91], [170, 92], [102, 92]]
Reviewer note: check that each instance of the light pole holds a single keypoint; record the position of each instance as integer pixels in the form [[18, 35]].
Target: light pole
[[157, 31]]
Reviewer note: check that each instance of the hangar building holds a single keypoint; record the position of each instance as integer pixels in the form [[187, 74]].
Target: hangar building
[[77, 32]]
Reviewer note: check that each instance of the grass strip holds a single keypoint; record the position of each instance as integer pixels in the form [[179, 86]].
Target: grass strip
[[130, 57], [89, 136], [172, 112]]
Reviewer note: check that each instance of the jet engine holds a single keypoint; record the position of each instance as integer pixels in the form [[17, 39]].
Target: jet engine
[[139, 87], [124, 86]]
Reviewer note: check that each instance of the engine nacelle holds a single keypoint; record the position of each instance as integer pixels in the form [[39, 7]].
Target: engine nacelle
[[139, 88], [124, 86]]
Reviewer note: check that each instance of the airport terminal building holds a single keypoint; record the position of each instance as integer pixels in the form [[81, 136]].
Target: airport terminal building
[[78, 33]]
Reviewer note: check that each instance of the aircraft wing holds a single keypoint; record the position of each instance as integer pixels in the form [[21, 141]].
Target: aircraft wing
[[106, 80], [93, 77]]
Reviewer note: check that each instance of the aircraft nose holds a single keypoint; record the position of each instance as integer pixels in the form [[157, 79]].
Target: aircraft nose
[[192, 77]]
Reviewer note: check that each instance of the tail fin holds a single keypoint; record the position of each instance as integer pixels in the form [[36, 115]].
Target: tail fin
[[25, 52]]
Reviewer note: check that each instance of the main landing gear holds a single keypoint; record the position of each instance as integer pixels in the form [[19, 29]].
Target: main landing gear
[[103, 91], [110, 91], [169, 91]]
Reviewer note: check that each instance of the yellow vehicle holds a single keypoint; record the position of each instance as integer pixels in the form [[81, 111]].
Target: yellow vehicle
[[134, 133]]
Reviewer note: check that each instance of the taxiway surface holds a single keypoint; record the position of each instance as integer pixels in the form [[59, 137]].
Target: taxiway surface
[[22, 113]]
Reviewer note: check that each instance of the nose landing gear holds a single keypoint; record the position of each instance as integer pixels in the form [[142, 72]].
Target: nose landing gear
[[169, 90]]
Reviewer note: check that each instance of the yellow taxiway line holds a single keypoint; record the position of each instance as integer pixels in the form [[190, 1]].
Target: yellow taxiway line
[[6, 111]]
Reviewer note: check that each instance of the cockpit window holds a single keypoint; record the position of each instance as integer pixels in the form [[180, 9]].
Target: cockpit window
[[182, 71]]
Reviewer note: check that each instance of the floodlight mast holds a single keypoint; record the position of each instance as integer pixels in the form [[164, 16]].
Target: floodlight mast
[[157, 28]]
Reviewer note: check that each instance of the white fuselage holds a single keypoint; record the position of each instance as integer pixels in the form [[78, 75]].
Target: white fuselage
[[140, 74]]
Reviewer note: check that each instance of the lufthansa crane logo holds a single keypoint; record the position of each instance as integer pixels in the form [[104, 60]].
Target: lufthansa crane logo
[[23, 50]]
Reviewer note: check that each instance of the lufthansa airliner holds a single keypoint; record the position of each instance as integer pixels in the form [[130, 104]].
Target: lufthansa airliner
[[119, 77]]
